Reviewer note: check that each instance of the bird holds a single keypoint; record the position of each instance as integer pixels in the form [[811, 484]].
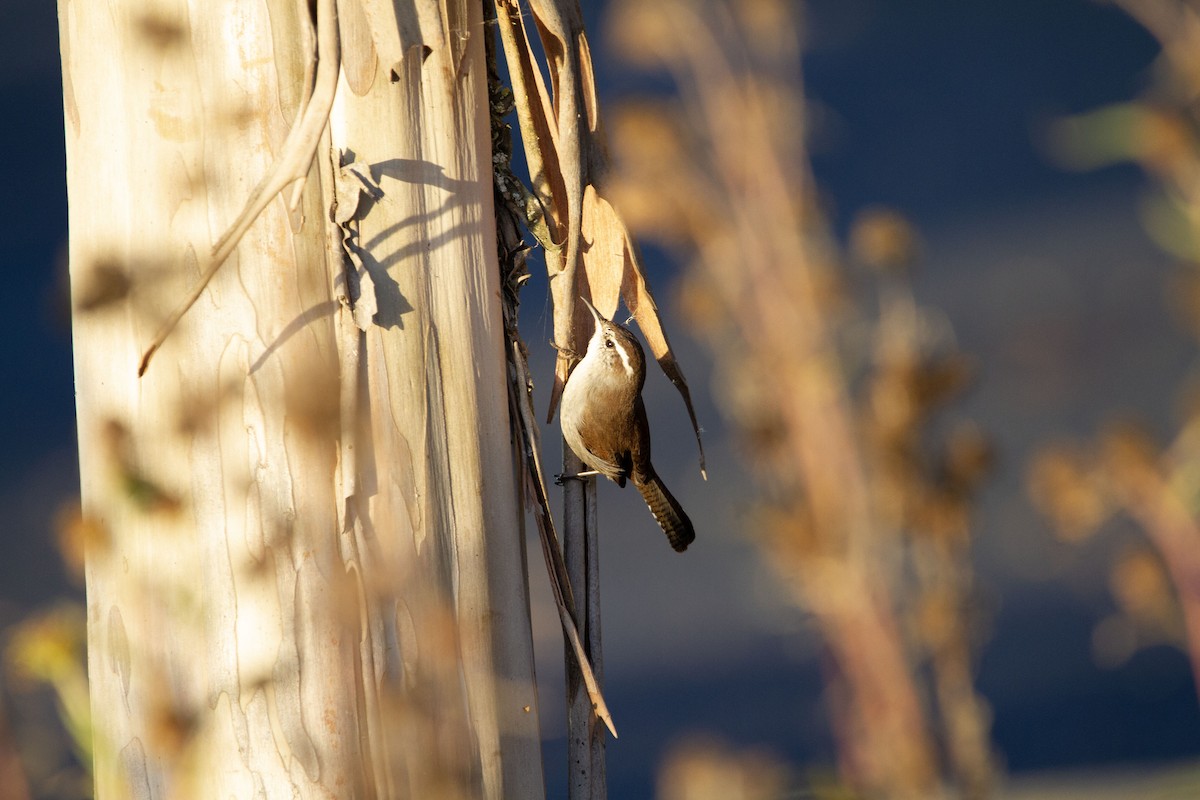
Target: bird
[[604, 422]]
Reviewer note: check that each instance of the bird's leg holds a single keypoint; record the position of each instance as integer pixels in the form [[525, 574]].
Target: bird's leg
[[578, 476]]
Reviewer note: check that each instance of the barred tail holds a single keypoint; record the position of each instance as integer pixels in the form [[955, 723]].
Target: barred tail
[[667, 511]]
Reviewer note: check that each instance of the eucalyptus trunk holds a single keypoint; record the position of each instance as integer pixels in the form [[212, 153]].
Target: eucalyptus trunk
[[308, 577]]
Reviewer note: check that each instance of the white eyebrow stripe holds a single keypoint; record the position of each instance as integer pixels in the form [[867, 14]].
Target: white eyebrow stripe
[[624, 356]]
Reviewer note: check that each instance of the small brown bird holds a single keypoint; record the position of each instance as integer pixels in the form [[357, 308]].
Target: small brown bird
[[604, 422]]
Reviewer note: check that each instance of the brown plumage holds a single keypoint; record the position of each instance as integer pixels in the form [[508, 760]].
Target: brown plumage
[[604, 422]]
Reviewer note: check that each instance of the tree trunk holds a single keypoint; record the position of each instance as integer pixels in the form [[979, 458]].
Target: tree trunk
[[311, 582]]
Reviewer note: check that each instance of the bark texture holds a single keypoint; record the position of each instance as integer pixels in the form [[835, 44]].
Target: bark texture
[[311, 579]]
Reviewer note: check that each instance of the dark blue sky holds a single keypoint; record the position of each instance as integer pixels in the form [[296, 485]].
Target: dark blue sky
[[934, 107], [37, 469]]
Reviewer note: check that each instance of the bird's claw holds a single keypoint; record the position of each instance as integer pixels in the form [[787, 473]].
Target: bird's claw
[[560, 478]]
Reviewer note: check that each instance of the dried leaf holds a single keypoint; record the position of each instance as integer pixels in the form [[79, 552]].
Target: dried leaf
[[603, 253], [1131, 462], [561, 135], [535, 113], [613, 269], [560, 28], [105, 285], [351, 182], [540, 135], [359, 58]]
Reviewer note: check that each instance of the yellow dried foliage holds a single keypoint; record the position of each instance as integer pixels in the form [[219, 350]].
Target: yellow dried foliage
[[1143, 590], [883, 239], [1065, 490], [702, 769], [79, 534]]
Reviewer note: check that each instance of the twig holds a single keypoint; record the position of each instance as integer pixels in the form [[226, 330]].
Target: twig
[[560, 583], [587, 777]]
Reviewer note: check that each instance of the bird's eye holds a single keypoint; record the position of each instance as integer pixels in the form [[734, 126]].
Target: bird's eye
[[608, 343]]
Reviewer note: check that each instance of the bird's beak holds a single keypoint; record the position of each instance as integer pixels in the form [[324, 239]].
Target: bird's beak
[[599, 317]]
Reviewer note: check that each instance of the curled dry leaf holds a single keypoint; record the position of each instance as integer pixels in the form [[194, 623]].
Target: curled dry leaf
[[566, 156], [613, 268], [558, 148]]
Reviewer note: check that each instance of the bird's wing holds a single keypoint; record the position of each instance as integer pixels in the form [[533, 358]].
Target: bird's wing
[[612, 464]]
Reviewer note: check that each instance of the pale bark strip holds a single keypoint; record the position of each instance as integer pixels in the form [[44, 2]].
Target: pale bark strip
[[426, 253]]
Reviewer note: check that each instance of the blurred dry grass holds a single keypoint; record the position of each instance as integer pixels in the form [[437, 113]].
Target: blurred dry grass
[[1160, 782], [832, 377], [704, 769], [43, 667], [1126, 470]]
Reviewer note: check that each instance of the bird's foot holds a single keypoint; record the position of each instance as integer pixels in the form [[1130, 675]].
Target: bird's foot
[[578, 476]]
